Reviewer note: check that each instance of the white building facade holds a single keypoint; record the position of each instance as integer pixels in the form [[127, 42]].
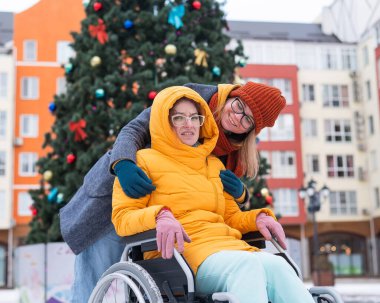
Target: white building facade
[[7, 68], [337, 87]]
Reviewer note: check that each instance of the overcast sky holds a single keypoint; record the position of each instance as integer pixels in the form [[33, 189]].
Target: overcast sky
[[254, 10]]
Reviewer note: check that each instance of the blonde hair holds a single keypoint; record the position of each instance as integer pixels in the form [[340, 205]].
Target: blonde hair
[[248, 155]]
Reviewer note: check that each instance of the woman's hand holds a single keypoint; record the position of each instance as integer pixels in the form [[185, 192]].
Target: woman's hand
[[134, 182], [169, 231], [268, 226]]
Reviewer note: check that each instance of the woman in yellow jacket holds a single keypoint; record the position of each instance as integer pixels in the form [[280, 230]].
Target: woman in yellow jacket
[[189, 205]]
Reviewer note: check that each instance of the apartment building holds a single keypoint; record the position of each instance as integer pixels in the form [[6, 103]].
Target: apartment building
[[329, 136], [42, 47], [7, 67]]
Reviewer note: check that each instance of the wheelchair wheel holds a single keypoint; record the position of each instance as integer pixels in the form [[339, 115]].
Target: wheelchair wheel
[[126, 282]]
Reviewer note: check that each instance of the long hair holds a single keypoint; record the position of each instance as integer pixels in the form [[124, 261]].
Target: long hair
[[248, 155]]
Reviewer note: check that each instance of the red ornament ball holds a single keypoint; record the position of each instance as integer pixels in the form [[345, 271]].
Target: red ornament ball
[[152, 94], [33, 210], [97, 6], [70, 158], [269, 199], [197, 5]]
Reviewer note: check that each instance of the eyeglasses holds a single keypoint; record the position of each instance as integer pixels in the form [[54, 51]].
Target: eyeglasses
[[238, 108], [180, 120]]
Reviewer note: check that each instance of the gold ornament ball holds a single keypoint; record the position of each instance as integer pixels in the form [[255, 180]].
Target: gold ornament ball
[[170, 49], [95, 61], [48, 175], [264, 192]]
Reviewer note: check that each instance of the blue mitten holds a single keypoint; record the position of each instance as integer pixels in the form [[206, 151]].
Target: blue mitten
[[231, 183], [133, 180]]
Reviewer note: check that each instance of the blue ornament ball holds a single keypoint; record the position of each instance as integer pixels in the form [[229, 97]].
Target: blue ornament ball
[[52, 196], [128, 24], [68, 68], [60, 198], [99, 93], [242, 62], [216, 71], [52, 107]]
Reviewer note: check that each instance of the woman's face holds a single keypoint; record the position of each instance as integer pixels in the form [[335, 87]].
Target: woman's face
[[237, 117], [186, 122]]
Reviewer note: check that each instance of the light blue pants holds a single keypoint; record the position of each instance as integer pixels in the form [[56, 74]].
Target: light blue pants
[[253, 277], [91, 263]]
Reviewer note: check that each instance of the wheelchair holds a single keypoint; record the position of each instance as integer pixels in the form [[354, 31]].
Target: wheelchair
[[135, 280]]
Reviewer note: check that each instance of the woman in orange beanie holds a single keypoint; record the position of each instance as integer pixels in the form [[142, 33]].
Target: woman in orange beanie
[[241, 112]]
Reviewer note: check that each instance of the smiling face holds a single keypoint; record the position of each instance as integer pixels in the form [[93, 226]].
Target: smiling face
[[231, 121], [188, 133]]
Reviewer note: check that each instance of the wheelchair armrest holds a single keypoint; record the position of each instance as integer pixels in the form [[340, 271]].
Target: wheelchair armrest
[[146, 240], [146, 235], [254, 238]]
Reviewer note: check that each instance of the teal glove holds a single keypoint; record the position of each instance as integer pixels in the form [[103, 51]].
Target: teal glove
[[133, 180], [231, 183]]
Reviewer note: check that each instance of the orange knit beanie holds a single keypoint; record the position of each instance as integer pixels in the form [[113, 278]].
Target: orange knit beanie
[[265, 102]]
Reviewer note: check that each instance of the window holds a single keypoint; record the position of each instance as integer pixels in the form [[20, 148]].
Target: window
[[365, 55], [340, 166], [368, 89], [329, 59], [335, 95], [309, 127], [371, 127], [264, 134], [61, 85], [283, 164], [373, 160], [2, 209], [306, 57], [349, 59], [29, 126], [3, 85], [27, 164], [312, 163], [377, 197], [2, 163], [29, 88], [343, 203], [283, 129], [286, 201], [30, 50], [338, 131], [3, 124], [64, 51], [308, 93], [24, 203]]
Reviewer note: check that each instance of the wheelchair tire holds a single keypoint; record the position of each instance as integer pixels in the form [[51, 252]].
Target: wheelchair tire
[[135, 279]]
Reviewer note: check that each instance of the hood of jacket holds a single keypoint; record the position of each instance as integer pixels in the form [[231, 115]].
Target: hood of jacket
[[165, 140]]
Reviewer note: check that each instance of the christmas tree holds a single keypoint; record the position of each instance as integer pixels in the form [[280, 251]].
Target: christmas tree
[[125, 53]]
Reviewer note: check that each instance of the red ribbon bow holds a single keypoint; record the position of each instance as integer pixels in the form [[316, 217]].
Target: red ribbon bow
[[99, 31], [78, 127]]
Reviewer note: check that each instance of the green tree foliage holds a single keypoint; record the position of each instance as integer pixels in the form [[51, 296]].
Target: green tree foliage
[[122, 59]]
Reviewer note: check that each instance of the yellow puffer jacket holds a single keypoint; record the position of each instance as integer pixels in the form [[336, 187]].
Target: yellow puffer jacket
[[187, 181]]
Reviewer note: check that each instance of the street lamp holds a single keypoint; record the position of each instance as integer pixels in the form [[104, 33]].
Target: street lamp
[[314, 205]]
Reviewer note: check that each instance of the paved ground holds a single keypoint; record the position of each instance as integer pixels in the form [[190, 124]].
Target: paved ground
[[352, 291]]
